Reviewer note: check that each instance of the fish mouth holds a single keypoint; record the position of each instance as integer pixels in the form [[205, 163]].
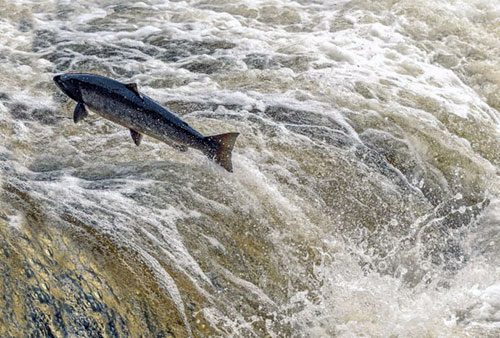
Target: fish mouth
[[57, 79], [67, 86]]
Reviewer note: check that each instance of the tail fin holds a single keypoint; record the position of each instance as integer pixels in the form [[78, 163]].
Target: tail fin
[[220, 149]]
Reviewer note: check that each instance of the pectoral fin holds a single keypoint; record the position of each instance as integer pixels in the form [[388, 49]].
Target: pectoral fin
[[136, 136], [80, 112], [133, 87]]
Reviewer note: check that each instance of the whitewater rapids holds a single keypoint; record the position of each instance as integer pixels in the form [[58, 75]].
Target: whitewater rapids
[[365, 198]]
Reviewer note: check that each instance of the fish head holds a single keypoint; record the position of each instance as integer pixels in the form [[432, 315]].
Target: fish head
[[70, 85]]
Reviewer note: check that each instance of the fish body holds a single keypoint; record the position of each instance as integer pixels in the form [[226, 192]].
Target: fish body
[[125, 105]]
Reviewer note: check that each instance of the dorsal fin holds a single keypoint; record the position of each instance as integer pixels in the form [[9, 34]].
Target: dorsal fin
[[136, 136], [133, 87]]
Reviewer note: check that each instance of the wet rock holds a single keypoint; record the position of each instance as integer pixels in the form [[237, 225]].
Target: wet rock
[[58, 296], [40, 295], [38, 324], [29, 272]]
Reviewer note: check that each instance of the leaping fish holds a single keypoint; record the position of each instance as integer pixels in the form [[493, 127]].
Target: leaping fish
[[122, 103]]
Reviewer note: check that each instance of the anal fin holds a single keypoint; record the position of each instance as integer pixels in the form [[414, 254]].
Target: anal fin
[[80, 112], [136, 136]]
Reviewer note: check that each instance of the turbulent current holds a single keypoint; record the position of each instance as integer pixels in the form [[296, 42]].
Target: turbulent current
[[365, 198]]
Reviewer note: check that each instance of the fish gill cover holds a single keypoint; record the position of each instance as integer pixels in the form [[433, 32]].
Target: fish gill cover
[[365, 194]]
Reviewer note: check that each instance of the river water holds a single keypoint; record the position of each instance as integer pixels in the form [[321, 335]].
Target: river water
[[365, 198]]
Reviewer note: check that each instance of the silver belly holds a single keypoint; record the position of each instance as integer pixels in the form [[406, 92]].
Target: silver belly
[[131, 118]]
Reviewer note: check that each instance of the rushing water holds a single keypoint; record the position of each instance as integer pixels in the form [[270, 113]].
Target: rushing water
[[366, 193]]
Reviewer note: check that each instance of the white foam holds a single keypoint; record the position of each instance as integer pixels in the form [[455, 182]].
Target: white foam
[[333, 58], [16, 221]]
